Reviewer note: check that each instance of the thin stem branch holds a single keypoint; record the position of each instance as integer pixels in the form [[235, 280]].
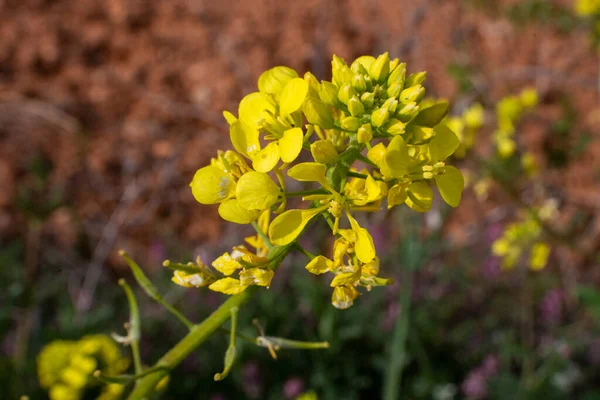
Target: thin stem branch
[[305, 192], [262, 235], [134, 328]]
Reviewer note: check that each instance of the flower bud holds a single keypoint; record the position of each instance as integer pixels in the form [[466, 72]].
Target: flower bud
[[394, 127], [391, 104], [406, 112], [358, 82], [313, 84], [529, 97], [346, 92], [380, 69], [397, 75], [340, 71], [328, 93], [367, 99], [380, 117], [414, 93], [356, 107], [318, 113], [394, 90], [369, 83], [416, 79], [394, 63], [324, 152], [350, 123], [365, 134]]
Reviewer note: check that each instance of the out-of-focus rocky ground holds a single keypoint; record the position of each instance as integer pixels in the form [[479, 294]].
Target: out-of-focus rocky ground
[[121, 100]]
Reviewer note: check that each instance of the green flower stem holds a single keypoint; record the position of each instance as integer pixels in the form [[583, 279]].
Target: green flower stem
[[197, 335], [200, 332], [366, 160], [152, 291], [281, 343], [362, 176], [306, 192], [304, 251], [262, 235], [134, 329], [398, 351]]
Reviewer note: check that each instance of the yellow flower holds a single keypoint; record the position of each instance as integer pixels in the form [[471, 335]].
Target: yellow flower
[[343, 296], [228, 286], [539, 256], [256, 276]]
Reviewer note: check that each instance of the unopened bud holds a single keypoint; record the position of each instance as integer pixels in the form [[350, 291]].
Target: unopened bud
[[346, 92], [350, 123], [416, 79], [355, 107], [394, 90], [324, 152], [380, 68], [358, 82], [328, 93], [318, 113], [365, 134], [367, 99], [380, 117], [397, 75], [406, 112], [394, 127], [412, 94]]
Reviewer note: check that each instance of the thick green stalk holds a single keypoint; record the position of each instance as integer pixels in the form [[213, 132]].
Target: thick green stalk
[[197, 335], [393, 377]]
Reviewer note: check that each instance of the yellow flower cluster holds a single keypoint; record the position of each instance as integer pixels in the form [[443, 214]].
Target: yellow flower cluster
[[368, 139], [526, 236], [65, 368], [508, 111], [587, 8]]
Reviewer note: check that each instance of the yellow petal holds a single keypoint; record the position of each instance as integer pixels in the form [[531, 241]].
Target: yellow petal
[[229, 117], [212, 185], [266, 159], [444, 143], [364, 246], [346, 278], [396, 157], [244, 138], [256, 191], [228, 286], [373, 189], [292, 96], [184, 279], [539, 256], [256, 276], [253, 106], [420, 196], [291, 144], [451, 185], [308, 172], [226, 264], [396, 195], [376, 153], [232, 211], [273, 80], [286, 227], [343, 297], [319, 265]]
